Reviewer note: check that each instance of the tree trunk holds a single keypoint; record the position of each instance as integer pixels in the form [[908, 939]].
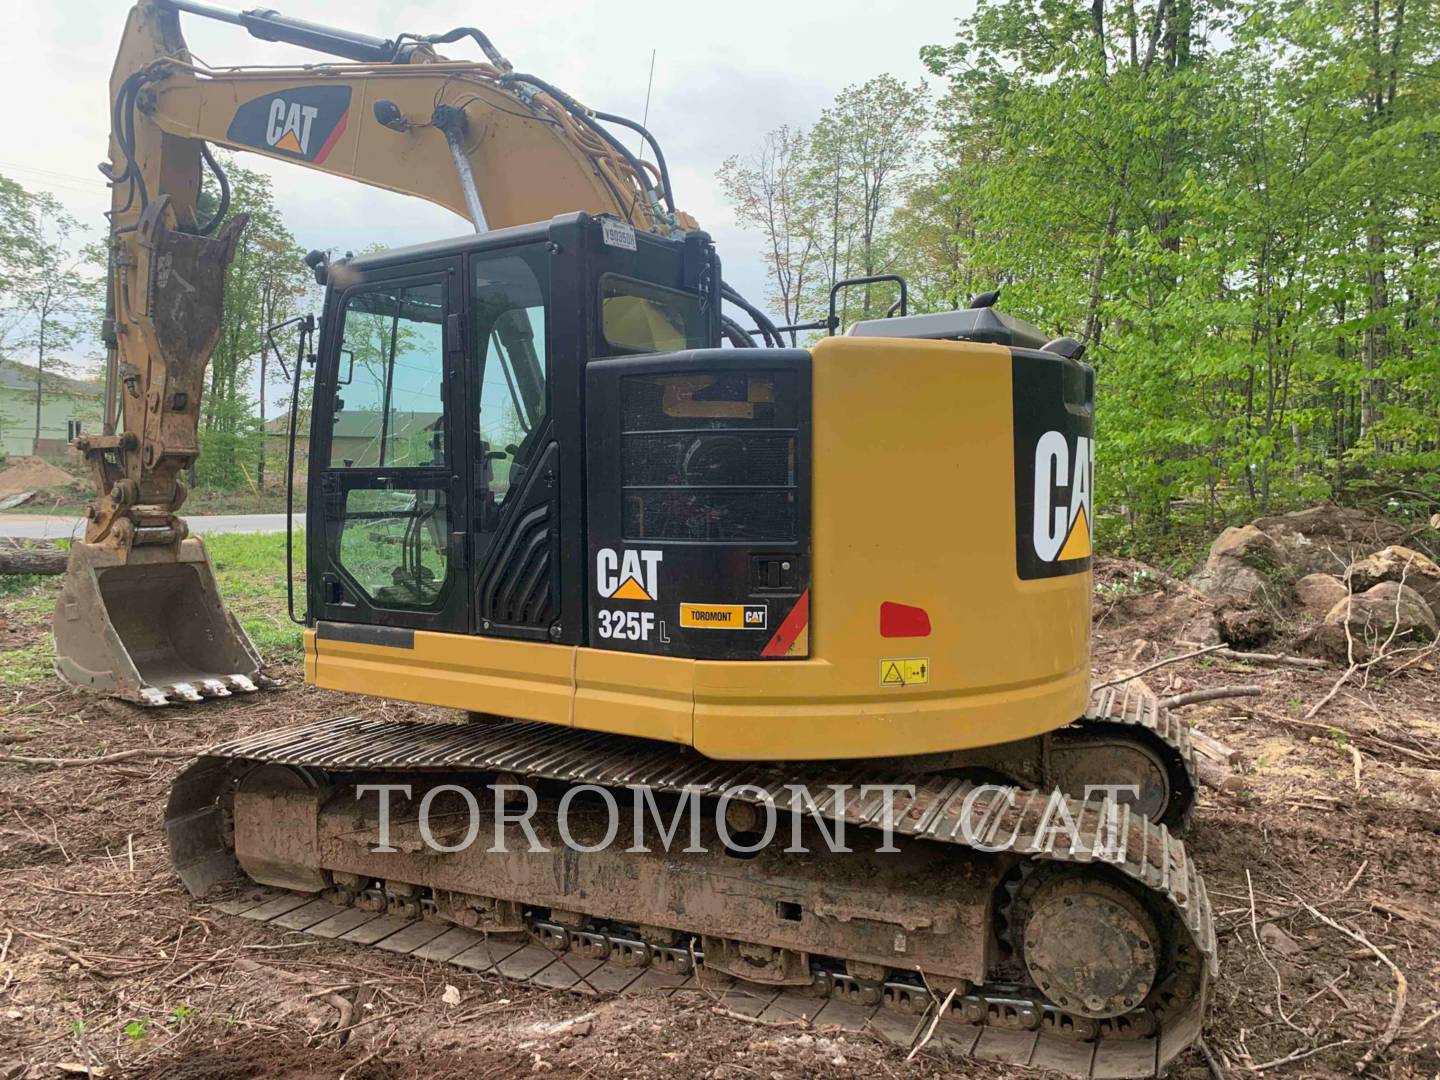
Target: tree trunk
[[40, 371], [32, 560]]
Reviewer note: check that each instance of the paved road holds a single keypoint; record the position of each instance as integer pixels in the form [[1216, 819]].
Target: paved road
[[52, 527]]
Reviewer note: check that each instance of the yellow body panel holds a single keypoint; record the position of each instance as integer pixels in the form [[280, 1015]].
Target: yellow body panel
[[913, 503], [634, 694], [510, 678]]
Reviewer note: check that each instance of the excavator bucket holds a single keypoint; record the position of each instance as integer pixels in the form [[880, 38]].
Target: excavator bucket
[[153, 629]]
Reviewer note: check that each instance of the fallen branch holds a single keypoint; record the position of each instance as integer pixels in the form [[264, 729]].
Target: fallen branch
[[1402, 987], [1194, 697], [721, 1010], [104, 759], [1271, 658], [1360, 737], [1211, 1060], [930, 1032], [1157, 664], [1300, 1055]]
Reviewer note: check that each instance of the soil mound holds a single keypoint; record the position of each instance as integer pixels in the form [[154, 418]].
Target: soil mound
[[32, 474]]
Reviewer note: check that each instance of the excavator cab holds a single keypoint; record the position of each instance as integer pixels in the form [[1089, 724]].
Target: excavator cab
[[447, 452]]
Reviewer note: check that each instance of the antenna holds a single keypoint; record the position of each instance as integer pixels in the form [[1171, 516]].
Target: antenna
[[645, 120]]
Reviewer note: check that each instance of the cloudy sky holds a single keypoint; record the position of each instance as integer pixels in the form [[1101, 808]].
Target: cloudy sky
[[724, 74]]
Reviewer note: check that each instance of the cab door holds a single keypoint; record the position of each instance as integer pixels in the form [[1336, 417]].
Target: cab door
[[516, 343], [388, 496]]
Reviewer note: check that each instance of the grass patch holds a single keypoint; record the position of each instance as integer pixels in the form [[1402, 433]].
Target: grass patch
[[250, 570], [27, 665]]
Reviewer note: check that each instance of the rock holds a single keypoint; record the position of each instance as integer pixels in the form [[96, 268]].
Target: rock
[[1328, 538], [1396, 563], [1371, 616], [1245, 569], [1279, 940], [1318, 593], [1202, 629], [1246, 578], [1245, 628]]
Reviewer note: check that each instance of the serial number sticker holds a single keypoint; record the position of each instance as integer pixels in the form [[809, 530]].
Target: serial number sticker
[[617, 233], [724, 616], [905, 671]]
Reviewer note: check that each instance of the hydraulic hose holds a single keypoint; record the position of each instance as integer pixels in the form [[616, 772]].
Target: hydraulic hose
[[767, 328], [224, 182], [491, 52], [737, 334], [583, 115], [611, 118]]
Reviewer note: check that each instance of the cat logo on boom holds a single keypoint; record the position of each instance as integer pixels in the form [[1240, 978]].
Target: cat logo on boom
[[628, 575], [305, 122]]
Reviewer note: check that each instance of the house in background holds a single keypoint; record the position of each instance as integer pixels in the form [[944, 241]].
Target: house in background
[[277, 446], [409, 437], [67, 407]]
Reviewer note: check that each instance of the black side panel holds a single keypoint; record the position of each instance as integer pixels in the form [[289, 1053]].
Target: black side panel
[[1054, 402], [517, 588], [392, 637], [698, 499]]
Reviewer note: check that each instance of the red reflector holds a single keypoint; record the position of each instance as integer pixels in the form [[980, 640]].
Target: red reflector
[[902, 620]]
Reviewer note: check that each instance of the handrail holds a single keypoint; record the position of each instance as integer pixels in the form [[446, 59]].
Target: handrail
[[307, 331], [834, 321]]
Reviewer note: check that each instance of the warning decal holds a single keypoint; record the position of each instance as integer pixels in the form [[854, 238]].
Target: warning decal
[[905, 671], [724, 616]]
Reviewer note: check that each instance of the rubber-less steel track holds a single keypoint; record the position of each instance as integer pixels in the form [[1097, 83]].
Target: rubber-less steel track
[[1134, 711], [1011, 1023]]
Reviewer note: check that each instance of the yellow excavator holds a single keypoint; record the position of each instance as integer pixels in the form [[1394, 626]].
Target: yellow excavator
[[554, 483]]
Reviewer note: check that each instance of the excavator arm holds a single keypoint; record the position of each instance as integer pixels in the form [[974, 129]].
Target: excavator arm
[[140, 615]]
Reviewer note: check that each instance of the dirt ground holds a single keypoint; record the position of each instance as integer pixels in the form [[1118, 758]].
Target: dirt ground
[[1322, 879]]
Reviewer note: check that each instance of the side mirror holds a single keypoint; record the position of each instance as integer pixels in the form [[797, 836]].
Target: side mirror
[[319, 264]]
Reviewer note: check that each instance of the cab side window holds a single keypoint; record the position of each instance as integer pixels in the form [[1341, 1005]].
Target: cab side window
[[509, 331]]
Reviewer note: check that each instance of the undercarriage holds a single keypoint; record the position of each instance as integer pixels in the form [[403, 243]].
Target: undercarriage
[[1073, 932]]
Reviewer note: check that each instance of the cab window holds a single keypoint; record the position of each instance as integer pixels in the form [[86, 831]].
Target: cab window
[[638, 317], [390, 404], [508, 306]]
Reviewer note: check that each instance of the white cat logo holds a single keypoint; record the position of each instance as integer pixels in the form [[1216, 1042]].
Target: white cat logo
[[628, 575], [289, 126], [1062, 528]]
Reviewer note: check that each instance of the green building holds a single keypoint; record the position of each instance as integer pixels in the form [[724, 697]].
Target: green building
[[67, 407]]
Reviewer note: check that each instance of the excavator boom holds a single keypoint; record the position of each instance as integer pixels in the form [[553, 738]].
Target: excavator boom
[[141, 616]]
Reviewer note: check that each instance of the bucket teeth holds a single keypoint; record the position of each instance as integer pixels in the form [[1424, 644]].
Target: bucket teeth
[[214, 688], [151, 696], [241, 683], [186, 692]]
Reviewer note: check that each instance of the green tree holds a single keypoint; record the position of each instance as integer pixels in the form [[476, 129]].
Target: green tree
[[48, 287], [1234, 206], [765, 189], [863, 152], [266, 284]]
